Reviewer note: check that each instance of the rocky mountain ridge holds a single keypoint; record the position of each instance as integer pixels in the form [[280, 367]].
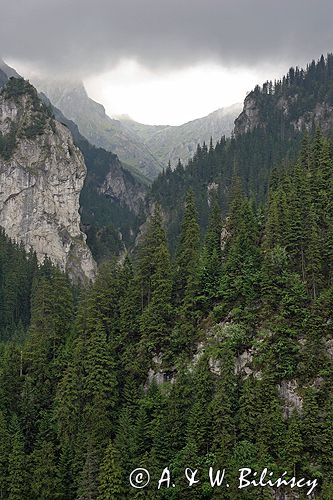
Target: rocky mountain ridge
[[321, 115], [112, 198], [171, 143]]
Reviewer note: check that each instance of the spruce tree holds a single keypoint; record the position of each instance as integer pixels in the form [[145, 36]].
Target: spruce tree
[[111, 480], [17, 464], [155, 322], [188, 251], [4, 455]]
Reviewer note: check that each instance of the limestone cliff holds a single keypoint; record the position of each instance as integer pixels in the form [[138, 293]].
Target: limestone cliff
[[41, 176], [122, 189]]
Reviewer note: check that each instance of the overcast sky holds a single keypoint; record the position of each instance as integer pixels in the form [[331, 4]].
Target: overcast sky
[[165, 60]]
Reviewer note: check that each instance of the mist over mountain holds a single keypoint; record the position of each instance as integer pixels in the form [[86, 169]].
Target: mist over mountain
[[173, 143], [101, 130], [8, 70], [147, 148]]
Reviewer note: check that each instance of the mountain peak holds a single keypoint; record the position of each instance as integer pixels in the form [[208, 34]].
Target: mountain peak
[[8, 70]]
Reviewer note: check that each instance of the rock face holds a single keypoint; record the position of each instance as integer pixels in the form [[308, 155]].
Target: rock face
[[249, 117], [288, 393], [41, 175], [121, 189], [321, 116]]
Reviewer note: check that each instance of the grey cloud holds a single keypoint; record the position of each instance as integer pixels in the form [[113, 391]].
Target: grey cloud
[[83, 36]]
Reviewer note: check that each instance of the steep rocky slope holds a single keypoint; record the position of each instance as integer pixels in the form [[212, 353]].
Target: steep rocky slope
[[112, 200], [8, 70], [41, 175], [171, 143], [124, 187], [3, 78], [101, 130]]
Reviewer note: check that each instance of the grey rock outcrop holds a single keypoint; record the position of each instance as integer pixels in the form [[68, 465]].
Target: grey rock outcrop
[[291, 400], [243, 363], [41, 180], [158, 375], [320, 114], [249, 118], [122, 189]]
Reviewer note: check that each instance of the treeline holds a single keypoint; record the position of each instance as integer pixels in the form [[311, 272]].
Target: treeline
[[218, 356], [313, 83]]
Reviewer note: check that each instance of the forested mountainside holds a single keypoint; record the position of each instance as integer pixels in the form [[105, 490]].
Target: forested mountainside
[[100, 130], [302, 99], [171, 143], [268, 133], [218, 357]]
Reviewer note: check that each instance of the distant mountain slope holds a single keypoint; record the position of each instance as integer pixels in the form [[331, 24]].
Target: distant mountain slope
[[101, 130], [147, 148], [170, 143]]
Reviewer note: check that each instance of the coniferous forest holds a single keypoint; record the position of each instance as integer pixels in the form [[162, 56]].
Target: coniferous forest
[[213, 351], [284, 109]]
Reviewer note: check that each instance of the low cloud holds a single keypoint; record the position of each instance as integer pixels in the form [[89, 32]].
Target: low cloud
[[82, 37]]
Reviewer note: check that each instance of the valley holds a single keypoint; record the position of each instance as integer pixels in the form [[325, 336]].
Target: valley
[[166, 295]]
